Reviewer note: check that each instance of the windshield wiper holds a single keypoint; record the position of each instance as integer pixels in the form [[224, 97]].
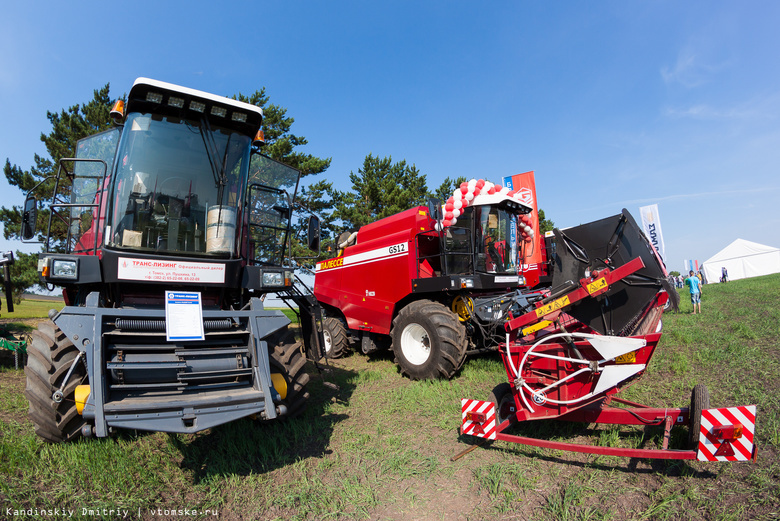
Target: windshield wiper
[[212, 152]]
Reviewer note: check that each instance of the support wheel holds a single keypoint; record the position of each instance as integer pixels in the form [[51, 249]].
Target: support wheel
[[286, 358], [335, 335], [700, 400], [429, 341], [505, 403], [49, 358]]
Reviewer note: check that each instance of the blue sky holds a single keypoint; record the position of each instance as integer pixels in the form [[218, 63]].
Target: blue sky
[[613, 104]]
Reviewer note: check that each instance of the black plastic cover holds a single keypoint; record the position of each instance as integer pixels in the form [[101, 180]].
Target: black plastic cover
[[610, 242]]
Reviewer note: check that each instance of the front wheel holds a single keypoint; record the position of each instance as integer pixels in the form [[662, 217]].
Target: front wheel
[[50, 356], [335, 335], [287, 360], [429, 341]]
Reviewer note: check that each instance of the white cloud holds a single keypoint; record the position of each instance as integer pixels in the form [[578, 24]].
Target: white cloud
[[692, 69], [762, 107]]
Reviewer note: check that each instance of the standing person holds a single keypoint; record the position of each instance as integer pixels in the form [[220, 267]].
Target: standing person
[[695, 286], [724, 274]]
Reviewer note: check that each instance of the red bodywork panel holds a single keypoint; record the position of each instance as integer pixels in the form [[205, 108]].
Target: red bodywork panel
[[368, 279]]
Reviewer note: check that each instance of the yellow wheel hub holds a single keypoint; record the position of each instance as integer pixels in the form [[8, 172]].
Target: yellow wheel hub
[[463, 307]]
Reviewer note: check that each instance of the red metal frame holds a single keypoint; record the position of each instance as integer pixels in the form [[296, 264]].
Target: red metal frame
[[601, 413]]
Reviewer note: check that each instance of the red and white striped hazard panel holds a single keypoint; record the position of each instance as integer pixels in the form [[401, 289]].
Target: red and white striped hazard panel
[[479, 418], [727, 434]]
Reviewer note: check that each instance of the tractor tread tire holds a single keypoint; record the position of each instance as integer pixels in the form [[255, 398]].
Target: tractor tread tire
[[50, 356], [286, 358], [339, 342], [447, 336]]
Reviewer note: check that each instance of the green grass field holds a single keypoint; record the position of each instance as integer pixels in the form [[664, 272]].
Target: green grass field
[[374, 445], [30, 307]]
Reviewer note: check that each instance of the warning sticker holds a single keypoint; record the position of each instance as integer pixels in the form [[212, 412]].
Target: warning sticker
[[553, 306], [596, 285]]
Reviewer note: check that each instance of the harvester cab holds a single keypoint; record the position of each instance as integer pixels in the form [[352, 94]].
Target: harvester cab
[[434, 283], [165, 234]]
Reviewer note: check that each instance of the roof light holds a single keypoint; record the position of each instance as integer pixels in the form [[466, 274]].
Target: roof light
[[176, 102], [197, 106], [154, 97], [259, 139], [239, 116], [118, 111], [218, 111]]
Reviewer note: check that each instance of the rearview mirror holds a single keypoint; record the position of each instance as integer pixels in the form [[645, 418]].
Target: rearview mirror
[[29, 217], [314, 234], [433, 208]]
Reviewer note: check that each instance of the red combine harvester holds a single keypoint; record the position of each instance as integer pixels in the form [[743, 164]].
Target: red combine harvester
[[434, 283], [590, 337]]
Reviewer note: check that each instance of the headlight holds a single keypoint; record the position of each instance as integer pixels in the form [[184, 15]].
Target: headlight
[[63, 269], [272, 279]]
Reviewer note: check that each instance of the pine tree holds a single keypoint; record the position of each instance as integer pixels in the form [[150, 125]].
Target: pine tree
[[379, 189]]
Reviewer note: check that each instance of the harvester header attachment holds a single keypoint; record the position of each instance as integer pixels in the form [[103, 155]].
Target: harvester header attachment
[[594, 333]]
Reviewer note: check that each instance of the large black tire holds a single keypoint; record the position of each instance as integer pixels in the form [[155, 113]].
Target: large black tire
[[49, 357], [505, 403], [429, 341], [286, 358], [700, 400], [335, 335]]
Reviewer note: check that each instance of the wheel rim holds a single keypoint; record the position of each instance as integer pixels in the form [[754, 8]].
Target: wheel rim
[[416, 344], [328, 341], [505, 408]]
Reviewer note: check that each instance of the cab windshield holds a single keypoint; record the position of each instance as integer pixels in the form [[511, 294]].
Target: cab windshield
[[494, 235], [482, 240], [178, 186]]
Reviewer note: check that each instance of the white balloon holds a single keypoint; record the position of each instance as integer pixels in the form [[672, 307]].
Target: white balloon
[[456, 213], [469, 196], [457, 204], [453, 221], [504, 190]]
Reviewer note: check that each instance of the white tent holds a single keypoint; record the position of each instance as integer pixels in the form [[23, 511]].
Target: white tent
[[742, 259]]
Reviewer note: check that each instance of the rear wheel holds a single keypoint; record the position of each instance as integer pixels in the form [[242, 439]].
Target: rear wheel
[[428, 341], [700, 400], [286, 359], [50, 356], [335, 336]]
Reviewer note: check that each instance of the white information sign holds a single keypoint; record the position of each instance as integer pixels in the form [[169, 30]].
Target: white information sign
[[170, 271], [183, 316]]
